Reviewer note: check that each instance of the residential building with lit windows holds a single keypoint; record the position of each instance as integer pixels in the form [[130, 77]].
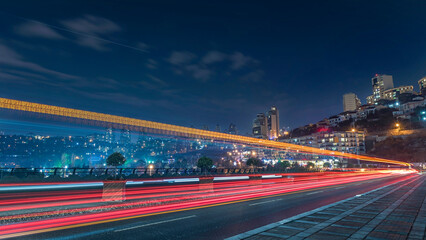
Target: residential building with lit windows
[[349, 142], [370, 99], [365, 110], [422, 86], [392, 94], [409, 107], [381, 83], [341, 117]]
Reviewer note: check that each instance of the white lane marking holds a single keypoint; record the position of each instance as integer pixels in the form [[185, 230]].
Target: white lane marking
[[230, 178], [253, 204], [50, 186], [314, 192], [91, 184], [340, 187], [155, 223], [271, 176]]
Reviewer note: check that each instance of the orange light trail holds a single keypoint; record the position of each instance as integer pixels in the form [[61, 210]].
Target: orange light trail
[[168, 129]]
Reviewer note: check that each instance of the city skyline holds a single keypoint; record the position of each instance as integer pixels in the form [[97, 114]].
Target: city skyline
[[82, 57], [212, 120]]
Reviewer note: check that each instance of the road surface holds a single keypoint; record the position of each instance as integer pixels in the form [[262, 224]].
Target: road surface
[[217, 222]]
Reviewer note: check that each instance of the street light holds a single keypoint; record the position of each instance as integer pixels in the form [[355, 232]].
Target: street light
[[353, 129], [397, 125]]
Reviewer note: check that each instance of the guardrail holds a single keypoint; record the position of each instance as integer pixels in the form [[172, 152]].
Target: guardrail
[[126, 172]]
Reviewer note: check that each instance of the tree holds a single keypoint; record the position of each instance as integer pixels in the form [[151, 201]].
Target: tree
[[326, 165], [310, 165], [115, 159], [205, 163], [282, 165], [254, 162], [295, 165]]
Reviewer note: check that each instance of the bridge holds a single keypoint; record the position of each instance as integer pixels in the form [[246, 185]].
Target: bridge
[[119, 122]]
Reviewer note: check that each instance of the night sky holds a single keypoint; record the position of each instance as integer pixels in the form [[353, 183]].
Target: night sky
[[193, 63]]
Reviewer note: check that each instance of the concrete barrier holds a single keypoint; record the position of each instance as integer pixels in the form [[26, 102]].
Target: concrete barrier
[[114, 191]]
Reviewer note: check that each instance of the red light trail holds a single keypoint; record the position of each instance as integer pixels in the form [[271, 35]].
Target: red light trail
[[148, 200]]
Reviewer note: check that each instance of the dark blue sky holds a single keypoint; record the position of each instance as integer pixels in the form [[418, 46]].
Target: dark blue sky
[[192, 63]]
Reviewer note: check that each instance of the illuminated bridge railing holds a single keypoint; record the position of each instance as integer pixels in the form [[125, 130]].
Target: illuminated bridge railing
[[102, 173], [168, 129]]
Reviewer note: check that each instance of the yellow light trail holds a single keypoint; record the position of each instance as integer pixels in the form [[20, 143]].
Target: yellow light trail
[[169, 129]]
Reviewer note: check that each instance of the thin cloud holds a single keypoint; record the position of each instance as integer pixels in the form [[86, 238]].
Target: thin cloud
[[184, 62], [92, 43], [35, 29], [11, 58], [199, 72], [214, 57], [24, 74], [158, 81], [143, 46], [181, 57], [93, 27], [7, 76], [240, 60], [153, 83], [255, 76], [152, 64]]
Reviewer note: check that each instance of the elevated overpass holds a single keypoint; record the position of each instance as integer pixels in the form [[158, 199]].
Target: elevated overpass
[[101, 119]]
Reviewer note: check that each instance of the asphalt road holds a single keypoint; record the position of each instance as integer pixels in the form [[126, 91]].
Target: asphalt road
[[216, 222]]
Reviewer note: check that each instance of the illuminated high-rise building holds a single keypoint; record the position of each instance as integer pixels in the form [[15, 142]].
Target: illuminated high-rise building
[[109, 135], [273, 123], [350, 102], [232, 129], [381, 83], [422, 86], [125, 138], [260, 126]]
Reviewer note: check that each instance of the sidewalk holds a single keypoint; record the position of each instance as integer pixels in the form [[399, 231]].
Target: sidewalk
[[396, 211]]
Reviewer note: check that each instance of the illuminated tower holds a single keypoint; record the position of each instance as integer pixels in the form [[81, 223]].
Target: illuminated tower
[[273, 123]]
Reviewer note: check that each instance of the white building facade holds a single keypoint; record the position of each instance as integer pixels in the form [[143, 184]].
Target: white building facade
[[350, 102]]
